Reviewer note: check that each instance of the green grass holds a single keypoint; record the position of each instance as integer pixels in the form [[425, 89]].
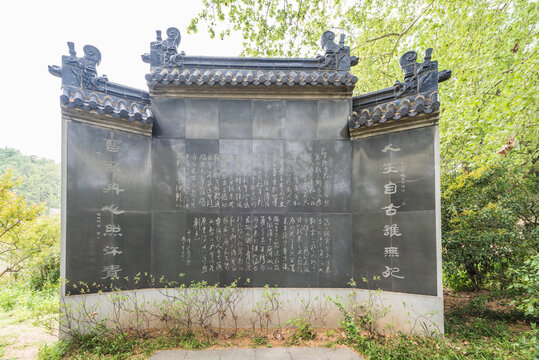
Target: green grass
[[123, 346], [470, 334], [3, 344], [23, 303], [259, 341]]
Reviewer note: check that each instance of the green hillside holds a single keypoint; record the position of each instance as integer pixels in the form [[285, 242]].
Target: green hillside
[[40, 177]]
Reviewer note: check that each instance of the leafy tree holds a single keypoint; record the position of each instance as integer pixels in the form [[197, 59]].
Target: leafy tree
[[526, 286], [25, 236], [41, 177], [488, 224], [491, 47], [488, 124]]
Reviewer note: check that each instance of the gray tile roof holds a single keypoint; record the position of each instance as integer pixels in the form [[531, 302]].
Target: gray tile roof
[[104, 104], [168, 66], [417, 94], [249, 77], [395, 110]]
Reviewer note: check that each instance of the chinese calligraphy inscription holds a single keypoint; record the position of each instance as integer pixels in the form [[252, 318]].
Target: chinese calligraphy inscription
[[395, 211]]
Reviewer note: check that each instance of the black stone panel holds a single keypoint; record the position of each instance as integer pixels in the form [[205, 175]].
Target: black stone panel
[[102, 165], [135, 243], [342, 260], [202, 119], [268, 171], [368, 251], [268, 119], [332, 119], [301, 120], [196, 146], [338, 184], [239, 161], [236, 249], [84, 252], [169, 118], [367, 178], [394, 212], [299, 174], [168, 175], [270, 269], [416, 260], [93, 254], [417, 252], [417, 154], [302, 268], [235, 119], [202, 176], [108, 207], [235, 176], [169, 253], [134, 173], [200, 249], [86, 161], [313, 209]]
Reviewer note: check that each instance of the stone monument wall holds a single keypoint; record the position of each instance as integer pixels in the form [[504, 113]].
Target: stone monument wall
[[260, 171]]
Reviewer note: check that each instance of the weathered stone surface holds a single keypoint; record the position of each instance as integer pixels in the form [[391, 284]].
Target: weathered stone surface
[[259, 354]]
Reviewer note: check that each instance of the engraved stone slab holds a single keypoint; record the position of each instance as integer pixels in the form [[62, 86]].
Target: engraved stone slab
[[251, 204], [108, 222], [394, 212], [262, 191]]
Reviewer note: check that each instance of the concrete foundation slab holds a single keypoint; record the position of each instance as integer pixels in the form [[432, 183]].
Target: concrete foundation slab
[[299, 353]]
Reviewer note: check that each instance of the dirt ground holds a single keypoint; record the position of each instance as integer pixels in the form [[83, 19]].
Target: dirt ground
[[22, 339]]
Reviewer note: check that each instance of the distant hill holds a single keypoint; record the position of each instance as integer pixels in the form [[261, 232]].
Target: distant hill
[[41, 177]]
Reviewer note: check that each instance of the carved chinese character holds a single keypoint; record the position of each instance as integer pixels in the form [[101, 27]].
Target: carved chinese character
[[112, 250], [391, 251], [389, 168], [111, 271], [113, 230], [391, 230], [112, 166], [111, 144], [113, 209], [391, 271], [390, 148], [390, 188], [113, 187], [390, 209]]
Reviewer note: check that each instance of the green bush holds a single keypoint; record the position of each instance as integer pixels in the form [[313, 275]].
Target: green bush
[[56, 351], [526, 286], [45, 273], [18, 297], [303, 330], [488, 224]]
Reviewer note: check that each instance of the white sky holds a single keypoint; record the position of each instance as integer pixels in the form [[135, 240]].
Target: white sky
[[34, 34]]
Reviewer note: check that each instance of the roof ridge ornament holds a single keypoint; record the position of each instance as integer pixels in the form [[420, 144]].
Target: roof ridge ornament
[[165, 52], [336, 56], [81, 72], [419, 77]]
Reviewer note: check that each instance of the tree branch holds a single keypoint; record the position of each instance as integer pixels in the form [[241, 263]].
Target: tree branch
[[406, 30], [383, 36]]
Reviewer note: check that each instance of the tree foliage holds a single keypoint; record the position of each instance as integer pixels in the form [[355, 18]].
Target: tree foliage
[[26, 237], [491, 47], [488, 126], [489, 224], [41, 177], [527, 286]]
